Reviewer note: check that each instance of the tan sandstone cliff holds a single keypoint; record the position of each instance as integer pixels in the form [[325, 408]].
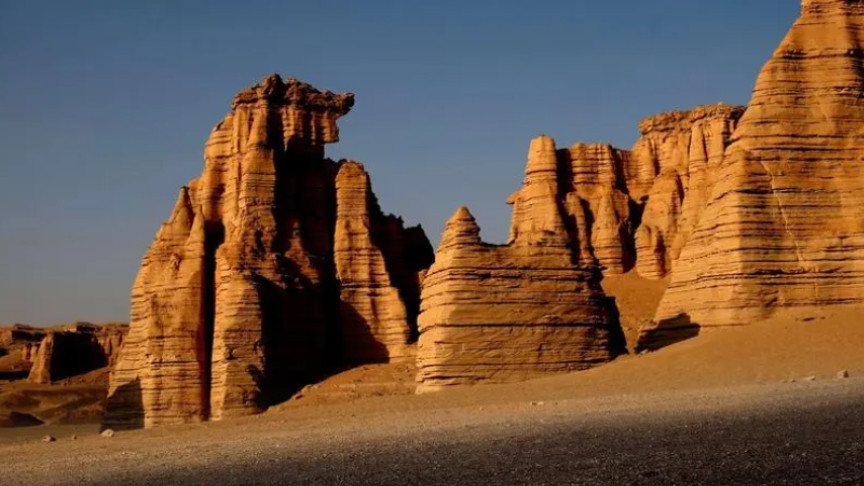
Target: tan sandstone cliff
[[75, 349], [246, 294], [782, 229], [637, 208], [493, 314], [673, 169]]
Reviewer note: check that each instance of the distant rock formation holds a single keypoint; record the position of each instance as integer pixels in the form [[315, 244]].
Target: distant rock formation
[[275, 266], [75, 349], [626, 209], [673, 169], [782, 228], [46, 354], [493, 314]]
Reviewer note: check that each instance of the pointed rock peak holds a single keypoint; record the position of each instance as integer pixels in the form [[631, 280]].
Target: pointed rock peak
[[182, 198], [182, 214], [461, 229], [462, 214]]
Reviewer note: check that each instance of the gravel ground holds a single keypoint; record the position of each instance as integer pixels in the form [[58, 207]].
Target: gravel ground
[[787, 433]]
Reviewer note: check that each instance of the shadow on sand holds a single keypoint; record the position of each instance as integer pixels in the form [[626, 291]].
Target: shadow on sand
[[667, 332]]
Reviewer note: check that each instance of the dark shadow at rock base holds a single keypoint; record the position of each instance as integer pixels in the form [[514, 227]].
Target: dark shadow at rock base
[[125, 408], [666, 333]]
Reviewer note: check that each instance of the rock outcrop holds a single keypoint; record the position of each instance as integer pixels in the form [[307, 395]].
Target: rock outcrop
[[270, 271], [75, 349], [373, 311], [600, 214], [493, 314], [782, 230], [626, 209], [672, 171]]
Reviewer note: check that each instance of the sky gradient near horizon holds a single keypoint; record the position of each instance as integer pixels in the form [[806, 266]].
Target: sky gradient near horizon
[[105, 108]]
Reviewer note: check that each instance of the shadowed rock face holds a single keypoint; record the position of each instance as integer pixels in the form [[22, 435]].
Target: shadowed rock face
[[782, 228], [270, 271], [493, 314], [75, 349], [47, 354], [600, 215]]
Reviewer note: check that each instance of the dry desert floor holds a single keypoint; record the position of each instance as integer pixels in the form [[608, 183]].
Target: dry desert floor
[[760, 404]]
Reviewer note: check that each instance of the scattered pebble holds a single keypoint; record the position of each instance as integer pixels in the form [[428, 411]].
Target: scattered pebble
[[48, 438], [74, 437], [536, 404], [842, 374], [810, 378], [107, 433]]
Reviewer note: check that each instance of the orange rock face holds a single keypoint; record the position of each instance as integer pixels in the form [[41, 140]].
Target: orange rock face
[[492, 314], [626, 209], [373, 310], [275, 266], [781, 229], [673, 170], [599, 211], [75, 349]]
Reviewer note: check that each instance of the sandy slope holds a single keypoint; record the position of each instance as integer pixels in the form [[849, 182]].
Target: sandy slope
[[771, 352], [637, 298], [75, 400], [743, 367]]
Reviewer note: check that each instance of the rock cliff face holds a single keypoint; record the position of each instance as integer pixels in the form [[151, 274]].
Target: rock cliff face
[[373, 308], [782, 229], [494, 314], [627, 209], [269, 272], [599, 212], [75, 349], [673, 169]]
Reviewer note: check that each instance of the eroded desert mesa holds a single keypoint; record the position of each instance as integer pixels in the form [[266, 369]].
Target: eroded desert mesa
[[277, 268]]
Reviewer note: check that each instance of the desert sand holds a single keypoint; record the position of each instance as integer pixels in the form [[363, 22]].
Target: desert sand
[[714, 375]]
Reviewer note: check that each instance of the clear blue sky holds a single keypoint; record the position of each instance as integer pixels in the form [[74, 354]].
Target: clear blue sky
[[105, 107]]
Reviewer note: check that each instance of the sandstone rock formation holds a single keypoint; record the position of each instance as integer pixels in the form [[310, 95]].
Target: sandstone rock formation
[[74, 350], [600, 214], [494, 314], [672, 170], [782, 229], [18, 347], [373, 310], [626, 209], [271, 270], [46, 354]]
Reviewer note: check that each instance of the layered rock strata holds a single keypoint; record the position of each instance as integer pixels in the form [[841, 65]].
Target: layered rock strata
[[600, 215], [673, 169], [268, 273], [373, 312], [782, 230], [493, 314], [626, 209]]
